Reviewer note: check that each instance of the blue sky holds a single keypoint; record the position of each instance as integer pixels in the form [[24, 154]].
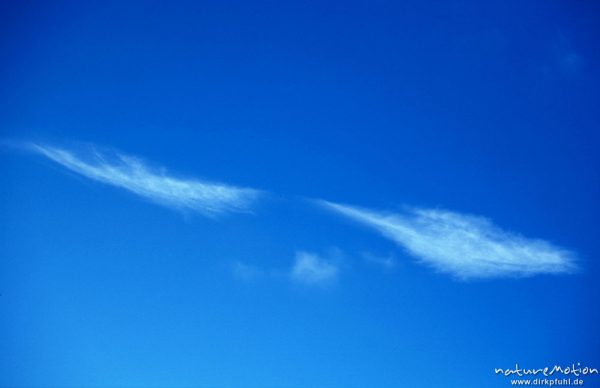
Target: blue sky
[[237, 194]]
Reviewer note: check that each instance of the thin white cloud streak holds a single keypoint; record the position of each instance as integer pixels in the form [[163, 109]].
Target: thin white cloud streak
[[314, 270], [132, 174], [464, 246]]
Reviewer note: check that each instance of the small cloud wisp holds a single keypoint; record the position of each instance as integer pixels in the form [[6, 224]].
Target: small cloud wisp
[[464, 246], [311, 269], [135, 175]]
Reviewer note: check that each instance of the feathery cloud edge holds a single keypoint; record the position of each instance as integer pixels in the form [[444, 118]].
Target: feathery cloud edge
[[133, 174], [464, 246]]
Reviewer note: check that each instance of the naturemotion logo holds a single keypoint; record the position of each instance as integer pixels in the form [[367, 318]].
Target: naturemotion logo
[[573, 370]]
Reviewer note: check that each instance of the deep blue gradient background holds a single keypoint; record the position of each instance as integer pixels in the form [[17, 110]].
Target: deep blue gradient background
[[488, 108]]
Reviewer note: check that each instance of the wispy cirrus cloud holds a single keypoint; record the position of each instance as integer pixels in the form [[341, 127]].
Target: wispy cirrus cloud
[[462, 245], [312, 269], [135, 175], [308, 269]]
